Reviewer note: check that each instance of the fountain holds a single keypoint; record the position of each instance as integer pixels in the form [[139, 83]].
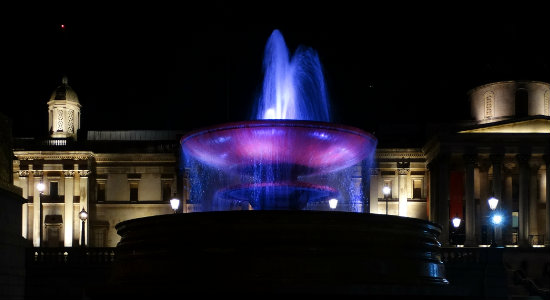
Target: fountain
[[261, 221]]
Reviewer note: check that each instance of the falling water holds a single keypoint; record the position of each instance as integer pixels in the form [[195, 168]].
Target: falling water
[[293, 87], [289, 155]]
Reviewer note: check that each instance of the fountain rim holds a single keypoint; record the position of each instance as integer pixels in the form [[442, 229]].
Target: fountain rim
[[276, 123]]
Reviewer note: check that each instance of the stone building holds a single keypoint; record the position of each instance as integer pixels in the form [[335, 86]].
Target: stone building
[[502, 152]]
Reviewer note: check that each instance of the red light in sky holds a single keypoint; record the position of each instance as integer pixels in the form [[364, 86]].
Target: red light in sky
[[62, 26]]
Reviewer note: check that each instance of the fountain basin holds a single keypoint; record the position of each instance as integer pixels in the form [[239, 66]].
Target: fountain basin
[[267, 252], [297, 147]]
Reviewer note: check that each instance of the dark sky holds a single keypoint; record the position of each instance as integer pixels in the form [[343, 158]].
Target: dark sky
[[186, 67]]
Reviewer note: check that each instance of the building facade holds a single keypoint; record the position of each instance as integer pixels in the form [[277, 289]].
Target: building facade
[[503, 152]]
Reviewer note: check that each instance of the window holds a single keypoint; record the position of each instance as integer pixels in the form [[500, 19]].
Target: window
[[417, 188], [101, 192], [99, 237], [54, 190], [133, 191], [547, 103], [521, 102], [515, 219], [166, 190], [489, 98]]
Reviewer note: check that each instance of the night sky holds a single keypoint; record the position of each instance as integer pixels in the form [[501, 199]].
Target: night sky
[[186, 67]]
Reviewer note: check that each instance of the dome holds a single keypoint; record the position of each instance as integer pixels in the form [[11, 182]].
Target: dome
[[64, 92]]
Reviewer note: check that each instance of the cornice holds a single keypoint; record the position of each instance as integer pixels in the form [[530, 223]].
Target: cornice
[[141, 157], [53, 155]]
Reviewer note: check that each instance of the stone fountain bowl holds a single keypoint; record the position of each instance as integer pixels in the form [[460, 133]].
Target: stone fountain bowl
[[267, 252], [295, 147]]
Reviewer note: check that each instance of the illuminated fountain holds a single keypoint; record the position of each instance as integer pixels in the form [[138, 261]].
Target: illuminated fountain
[[290, 157], [261, 221]]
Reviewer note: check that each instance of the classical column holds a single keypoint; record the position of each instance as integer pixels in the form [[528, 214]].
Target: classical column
[[403, 169], [534, 166], [443, 198], [68, 220], [84, 203], [374, 189], [497, 159], [484, 193], [547, 233], [469, 209], [24, 183], [432, 190], [507, 201], [523, 161], [36, 207]]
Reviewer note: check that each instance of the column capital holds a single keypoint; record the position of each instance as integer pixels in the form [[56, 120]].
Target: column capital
[[496, 158], [68, 173], [469, 158], [484, 165], [523, 158]]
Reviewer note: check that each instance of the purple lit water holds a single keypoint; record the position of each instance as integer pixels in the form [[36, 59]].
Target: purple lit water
[[289, 157], [294, 86]]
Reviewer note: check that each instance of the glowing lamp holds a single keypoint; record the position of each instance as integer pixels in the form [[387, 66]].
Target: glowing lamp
[[493, 202], [456, 221], [496, 219], [83, 215], [333, 203], [175, 203], [41, 187], [386, 190]]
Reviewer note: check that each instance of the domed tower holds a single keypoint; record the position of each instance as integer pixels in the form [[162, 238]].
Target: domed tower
[[64, 112], [507, 100]]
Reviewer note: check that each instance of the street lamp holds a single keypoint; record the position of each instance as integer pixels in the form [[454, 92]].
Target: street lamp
[[456, 221], [332, 203], [41, 187], [175, 203], [386, 190], [83, 215], [495, 218]]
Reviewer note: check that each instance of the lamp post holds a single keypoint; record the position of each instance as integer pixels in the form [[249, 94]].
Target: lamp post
[[83, 215], [175, 203], [456, 221], [495, 218], [386, 190], [41, 187], [456, 224]]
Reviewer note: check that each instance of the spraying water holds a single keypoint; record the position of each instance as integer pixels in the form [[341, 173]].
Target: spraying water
[[293, 87], [289, 156]]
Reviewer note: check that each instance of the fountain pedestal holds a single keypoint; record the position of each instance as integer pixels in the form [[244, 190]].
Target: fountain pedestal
[[245, 253]]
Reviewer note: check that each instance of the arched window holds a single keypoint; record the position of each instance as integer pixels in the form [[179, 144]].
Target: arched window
[[522, 97], [489, 99]]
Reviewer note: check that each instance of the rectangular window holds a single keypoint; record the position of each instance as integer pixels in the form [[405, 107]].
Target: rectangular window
[[133, 191], [515, 219], [166, 190], [101, 192], [54, 190], [99, 237], [417, 189]]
